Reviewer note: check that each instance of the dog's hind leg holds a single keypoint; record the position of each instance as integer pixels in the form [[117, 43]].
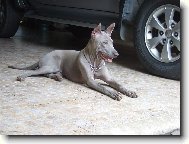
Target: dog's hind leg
[[41, 71], [56, 76]]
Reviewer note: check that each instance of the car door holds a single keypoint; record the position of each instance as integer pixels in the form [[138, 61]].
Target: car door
[[99, 5], [82, 11]]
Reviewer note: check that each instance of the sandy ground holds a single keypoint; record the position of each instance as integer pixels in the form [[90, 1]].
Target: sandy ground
[[41, 106]]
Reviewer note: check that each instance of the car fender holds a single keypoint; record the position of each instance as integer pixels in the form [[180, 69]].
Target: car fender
[[128, 12]]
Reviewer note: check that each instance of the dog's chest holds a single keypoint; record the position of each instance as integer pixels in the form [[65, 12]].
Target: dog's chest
[[74, 76], [73, 73]]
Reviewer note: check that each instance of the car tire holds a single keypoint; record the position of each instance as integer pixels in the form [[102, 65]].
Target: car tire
[[155, 48], [9, 19]]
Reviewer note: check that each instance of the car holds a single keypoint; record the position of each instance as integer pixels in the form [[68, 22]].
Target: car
[[154, 25]]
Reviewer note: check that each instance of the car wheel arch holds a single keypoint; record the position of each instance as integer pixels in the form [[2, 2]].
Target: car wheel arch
[[128, 12]]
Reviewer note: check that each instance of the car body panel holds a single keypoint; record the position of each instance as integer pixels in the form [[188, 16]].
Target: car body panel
[[78, 11], [99, 5]]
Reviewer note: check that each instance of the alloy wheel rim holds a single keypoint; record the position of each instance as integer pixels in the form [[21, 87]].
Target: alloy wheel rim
[[162, 33]]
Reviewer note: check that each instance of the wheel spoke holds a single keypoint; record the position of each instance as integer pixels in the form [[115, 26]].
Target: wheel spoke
[[166, 52], [176, 42], [177, 27], [169, 13], [154, 41], [155, 23]]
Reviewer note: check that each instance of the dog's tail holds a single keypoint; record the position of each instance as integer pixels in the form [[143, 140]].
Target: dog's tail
[[32, 67]]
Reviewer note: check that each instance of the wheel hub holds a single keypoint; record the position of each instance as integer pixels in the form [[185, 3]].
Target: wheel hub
[[168, 33]]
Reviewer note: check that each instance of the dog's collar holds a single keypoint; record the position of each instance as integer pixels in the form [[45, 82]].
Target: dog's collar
[[92, 66]]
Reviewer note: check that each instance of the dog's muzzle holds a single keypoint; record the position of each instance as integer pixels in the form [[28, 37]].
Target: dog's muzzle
[[106, 57]]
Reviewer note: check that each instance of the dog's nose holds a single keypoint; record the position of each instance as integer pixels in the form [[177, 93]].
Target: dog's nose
[[116, 54]]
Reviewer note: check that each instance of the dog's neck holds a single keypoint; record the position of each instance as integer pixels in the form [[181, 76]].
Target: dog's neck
[[90, 52]]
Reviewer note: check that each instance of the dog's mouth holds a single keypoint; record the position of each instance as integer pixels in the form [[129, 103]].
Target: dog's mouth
[[105, 57]]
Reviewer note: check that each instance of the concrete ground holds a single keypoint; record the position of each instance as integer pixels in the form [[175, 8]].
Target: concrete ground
[[41, 106]]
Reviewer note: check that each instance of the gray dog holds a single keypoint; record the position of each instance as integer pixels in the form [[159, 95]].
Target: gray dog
[[82, 66]]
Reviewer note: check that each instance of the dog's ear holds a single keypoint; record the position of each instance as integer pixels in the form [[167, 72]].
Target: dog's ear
[[97, 30], [110, 29]]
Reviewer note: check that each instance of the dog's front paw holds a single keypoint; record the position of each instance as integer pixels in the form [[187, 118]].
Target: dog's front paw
[[116, 96], [131, 94], [20, 78], [58, 78]]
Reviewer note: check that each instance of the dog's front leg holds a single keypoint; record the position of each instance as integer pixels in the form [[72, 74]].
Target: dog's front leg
[[105, 76], [114, 84], [88, 77], [96, 86]]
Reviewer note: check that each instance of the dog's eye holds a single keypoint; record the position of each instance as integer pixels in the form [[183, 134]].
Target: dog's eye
[[105, 42]]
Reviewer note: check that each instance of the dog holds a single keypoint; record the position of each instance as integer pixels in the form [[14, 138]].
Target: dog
[[83, 66]]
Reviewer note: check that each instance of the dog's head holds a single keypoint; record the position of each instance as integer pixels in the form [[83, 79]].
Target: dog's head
[[104, 43]]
